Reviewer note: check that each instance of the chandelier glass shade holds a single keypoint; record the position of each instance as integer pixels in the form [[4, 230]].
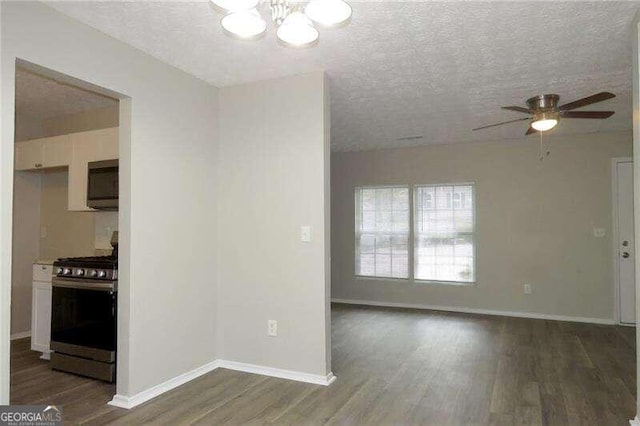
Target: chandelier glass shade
[[297, 30], [329, 13], [294, 22], [246, 24], [235, 5]]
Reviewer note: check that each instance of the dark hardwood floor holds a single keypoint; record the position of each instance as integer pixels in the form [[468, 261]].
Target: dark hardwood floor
[[394, 367]]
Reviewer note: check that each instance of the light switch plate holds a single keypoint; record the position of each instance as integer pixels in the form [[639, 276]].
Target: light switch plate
[[272, 328], [305, 234], [599, 232]]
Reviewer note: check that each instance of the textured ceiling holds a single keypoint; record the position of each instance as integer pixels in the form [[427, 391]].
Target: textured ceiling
[[403, 69], [41, 98]]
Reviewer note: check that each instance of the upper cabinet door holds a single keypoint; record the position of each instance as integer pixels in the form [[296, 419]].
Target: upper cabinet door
[[43, 153], [29, 155], [96, 145], [57, 151]]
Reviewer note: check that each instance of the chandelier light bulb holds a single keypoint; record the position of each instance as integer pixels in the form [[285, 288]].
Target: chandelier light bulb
[[297, 30], [329, 13], [245, 24], [235, 5]]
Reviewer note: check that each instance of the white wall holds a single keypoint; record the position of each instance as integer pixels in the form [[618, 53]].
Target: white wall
[[273, 179], [26, 247], [168, 191], [534, 223]]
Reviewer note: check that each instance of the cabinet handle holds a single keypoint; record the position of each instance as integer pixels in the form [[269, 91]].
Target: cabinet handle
[[38, 165]]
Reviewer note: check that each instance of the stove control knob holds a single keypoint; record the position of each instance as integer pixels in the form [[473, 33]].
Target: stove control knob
[[102, 274], [92, 273], [59, 271], [79, 272], [66, 271]]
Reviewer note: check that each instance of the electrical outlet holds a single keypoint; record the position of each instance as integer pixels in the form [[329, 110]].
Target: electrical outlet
[[272, 328], [599, 232], [527, 289]]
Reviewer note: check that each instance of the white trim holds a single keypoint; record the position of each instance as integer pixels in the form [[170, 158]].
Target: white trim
[[129, 402], [617, 314], [532, 315], [21, 335], [316, 379], [635, 422], [144, 396]]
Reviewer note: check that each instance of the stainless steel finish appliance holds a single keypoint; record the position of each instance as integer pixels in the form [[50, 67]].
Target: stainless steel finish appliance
[[83, 315], [102, 185]]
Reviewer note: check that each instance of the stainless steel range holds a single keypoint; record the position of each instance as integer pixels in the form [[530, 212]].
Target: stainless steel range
[[83, 315]]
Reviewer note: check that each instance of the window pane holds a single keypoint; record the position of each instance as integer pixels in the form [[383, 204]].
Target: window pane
[[382, 232], [444, 233]]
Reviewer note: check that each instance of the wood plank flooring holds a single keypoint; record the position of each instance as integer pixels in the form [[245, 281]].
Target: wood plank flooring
[[394, 367]]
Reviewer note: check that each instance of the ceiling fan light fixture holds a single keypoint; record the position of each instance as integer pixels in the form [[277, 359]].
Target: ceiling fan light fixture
[[329, 13], [234, 5], [544, 121], [297, 30], [244, 24]]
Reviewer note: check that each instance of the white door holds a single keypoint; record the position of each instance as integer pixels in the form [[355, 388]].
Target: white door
[[625, 263]]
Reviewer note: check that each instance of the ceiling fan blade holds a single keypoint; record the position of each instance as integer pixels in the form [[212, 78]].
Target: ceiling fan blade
[[598, 97], [500, 124], [586, 114], [517, 109], [530, 130]]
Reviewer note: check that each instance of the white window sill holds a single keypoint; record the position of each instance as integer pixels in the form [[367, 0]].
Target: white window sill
[[367, 278], [417, 282], [451, 283]]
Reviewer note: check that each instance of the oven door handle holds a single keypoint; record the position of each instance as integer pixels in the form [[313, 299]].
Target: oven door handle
[[97, 285]]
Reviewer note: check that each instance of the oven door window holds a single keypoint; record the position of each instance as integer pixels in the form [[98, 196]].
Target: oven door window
[[84, 317], [103, 183]]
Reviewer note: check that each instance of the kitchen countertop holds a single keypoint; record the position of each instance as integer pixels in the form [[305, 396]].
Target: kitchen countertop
[[44, 262]]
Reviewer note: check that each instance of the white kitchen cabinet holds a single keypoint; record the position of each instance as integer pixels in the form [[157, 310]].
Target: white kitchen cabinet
[[43, 153], [57, 151], [96, 145], [29, 155], [41, 309]]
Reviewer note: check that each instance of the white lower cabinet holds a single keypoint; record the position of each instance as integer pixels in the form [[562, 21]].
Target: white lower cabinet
[[41, 309]]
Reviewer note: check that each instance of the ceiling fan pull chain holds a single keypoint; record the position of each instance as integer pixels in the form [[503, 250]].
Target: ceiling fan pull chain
[[541, 149]]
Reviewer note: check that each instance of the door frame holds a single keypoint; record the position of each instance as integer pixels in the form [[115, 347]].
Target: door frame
[[615, 240]]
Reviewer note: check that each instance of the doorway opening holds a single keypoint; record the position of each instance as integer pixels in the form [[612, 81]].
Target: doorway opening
[[64, 281], [623, 241]]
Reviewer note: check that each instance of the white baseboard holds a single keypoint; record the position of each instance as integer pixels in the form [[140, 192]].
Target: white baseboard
[[316, 379], [635, 422], [144, 396], [21, 335], [605, 321], [129, 402]]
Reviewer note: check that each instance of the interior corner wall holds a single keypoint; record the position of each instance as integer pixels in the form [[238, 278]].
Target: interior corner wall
[[534, 223], [168, 185], [272, 180]]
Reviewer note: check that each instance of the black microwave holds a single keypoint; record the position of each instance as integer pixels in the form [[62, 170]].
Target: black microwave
[[102, 185]]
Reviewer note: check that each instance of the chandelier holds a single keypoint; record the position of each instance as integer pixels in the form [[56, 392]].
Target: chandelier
[[295, 22]]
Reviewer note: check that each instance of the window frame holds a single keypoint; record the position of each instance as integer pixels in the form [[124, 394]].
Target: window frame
[[412, 234], [356, 252], [411, 279]]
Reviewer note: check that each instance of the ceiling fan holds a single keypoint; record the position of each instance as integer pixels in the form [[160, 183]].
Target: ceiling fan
[[545, 113]]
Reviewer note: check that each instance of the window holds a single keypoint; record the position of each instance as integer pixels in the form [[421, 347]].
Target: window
[[382, 232], [444, 244]]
